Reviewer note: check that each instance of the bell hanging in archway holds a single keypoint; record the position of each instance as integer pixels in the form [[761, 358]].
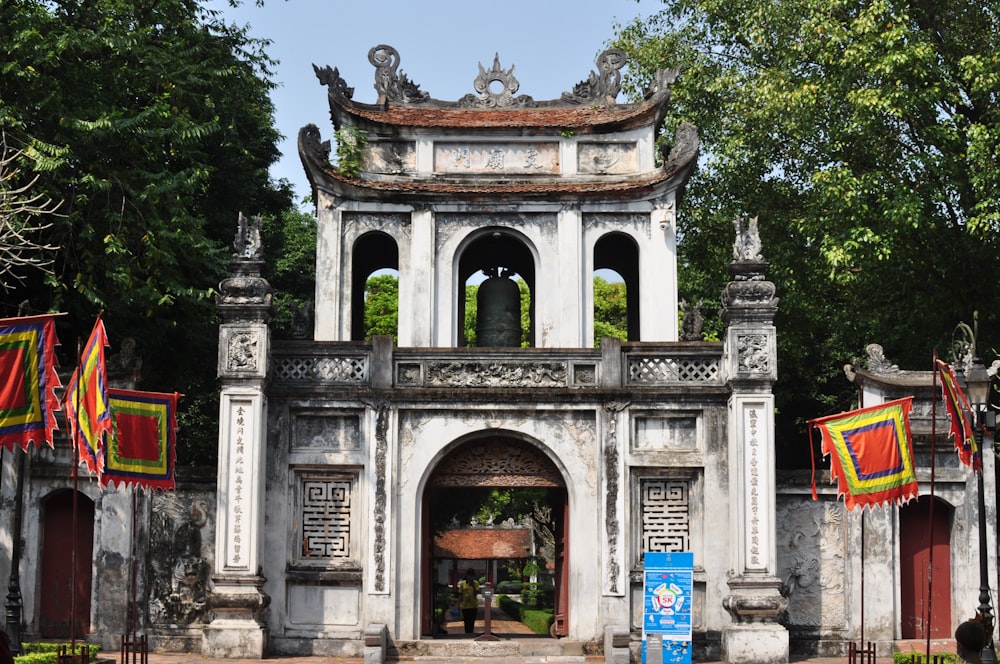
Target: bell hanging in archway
[[498, 311]]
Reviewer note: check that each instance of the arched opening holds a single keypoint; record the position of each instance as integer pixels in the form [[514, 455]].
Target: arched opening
[[499, 252], [618, 253], [499, 506], [64, 609], [925, 543], [372, 252]]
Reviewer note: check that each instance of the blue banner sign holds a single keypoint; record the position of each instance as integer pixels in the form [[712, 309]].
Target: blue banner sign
[[667, 588]]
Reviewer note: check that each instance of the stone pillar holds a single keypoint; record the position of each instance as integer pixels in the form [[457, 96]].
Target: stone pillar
[[237, 598], [755, 601]]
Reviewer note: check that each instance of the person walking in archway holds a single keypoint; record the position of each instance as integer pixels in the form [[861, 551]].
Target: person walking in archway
[[468, 591]]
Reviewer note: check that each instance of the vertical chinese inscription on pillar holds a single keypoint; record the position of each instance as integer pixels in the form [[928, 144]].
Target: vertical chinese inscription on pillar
[[754, 485], [381, 448], [611, 525], [242, 432]]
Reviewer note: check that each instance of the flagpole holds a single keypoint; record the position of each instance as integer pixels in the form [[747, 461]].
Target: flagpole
[[861, 404], [73, 528], [930, 511]]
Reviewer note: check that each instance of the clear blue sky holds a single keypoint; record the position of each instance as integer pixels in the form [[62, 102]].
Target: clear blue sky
[[553, 44]]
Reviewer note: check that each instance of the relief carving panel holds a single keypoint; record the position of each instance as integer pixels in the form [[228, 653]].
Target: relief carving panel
[[331, 432], [812, 557]]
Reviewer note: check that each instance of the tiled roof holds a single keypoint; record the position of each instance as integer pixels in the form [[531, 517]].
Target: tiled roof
[[483, 543], [586, 119]]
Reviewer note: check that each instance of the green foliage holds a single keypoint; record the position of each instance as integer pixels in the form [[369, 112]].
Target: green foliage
[[864, 136], [351, 143], [537, 620], [471, 311], [48, 653], [610, 312], [382, 306], [152, 124], [920, 658], [290, 251]]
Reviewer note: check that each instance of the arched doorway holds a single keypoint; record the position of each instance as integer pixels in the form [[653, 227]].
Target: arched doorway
[[59, 549], [473, 472], [925, 543]]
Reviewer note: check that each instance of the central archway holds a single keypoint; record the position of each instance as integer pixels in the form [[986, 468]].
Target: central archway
[[474, 468]]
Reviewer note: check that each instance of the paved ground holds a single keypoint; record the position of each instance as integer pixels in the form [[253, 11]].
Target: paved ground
[[502, 627]]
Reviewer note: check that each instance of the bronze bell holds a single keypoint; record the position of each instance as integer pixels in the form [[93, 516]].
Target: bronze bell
[[498, 312]]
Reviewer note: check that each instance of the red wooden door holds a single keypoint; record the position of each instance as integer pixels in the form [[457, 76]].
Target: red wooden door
[[921, 585], [57, 605]]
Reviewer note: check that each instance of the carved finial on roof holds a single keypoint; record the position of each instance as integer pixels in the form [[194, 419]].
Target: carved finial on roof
[[877, 362], [334, 83], [684, 148], [489, 95], [247, 242], [601, 87], [392, 87], [747, 245], [661, 82]]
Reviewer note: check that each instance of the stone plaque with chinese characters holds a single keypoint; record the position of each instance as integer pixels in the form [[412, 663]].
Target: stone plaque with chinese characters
[[513, 159]]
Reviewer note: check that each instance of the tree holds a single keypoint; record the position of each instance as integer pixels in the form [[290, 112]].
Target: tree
[[864, 135], [24, 215], [382, 306], [151, 120], [610, 310]]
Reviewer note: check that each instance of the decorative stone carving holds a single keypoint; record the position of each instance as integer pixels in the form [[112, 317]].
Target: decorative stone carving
[[301, 319], [877, 362], [747, 246], [179, 568], [393, 87], [495, 374], [811, 562], [336, 86], [381, 449], [693, 323], [600, 88], [311, 145], [684, 149], [492, 97], [247, 242], [752, 353], [749, 297], [495, 462], [611, 525], [124, 367], [242, 352], [246, 296], [662, 80]]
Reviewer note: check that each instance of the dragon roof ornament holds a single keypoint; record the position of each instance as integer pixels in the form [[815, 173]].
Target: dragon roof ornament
[[495, 88]]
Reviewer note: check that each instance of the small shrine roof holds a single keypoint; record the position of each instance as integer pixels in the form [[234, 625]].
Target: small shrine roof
[[483, 543]]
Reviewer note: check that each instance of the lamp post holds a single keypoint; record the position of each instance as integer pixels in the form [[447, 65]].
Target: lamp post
[[978, 385]]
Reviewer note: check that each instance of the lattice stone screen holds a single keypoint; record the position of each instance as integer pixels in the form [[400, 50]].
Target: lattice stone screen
[[665, 514], [325, 515]]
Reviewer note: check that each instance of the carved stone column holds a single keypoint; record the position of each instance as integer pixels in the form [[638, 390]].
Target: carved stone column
[[237, 597], [754, 602]]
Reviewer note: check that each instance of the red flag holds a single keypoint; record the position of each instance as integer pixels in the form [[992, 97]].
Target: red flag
[[28, 400], [86, 401], [871, 454], [141, 449], [961, 417]]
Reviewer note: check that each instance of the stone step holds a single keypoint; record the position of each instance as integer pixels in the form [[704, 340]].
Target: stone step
[[551, 650]]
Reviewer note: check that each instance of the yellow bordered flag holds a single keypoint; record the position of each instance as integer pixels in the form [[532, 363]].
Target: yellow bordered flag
[[86, 401], [871, 454], [960, 413], [28, 401], [142, 447]]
